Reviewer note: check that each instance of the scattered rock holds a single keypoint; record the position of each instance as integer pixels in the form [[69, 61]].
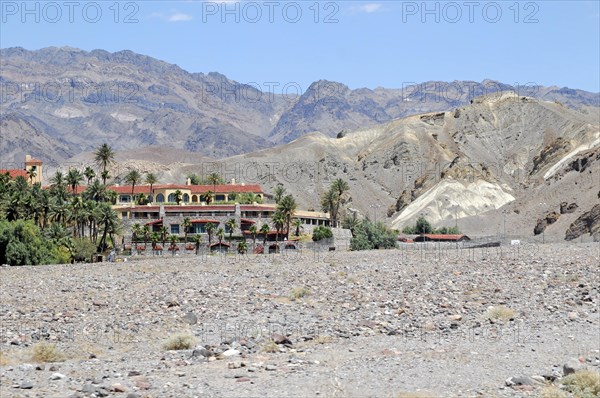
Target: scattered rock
[[572, 366]]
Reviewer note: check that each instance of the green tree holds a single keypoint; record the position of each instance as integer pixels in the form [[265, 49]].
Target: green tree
[[194, 179], [321, 232], [220, 234], [198, 241], [21, 243], [253, 231], [214, 179], [151, 179], [164, 232], [278, 220], [242, 247], [187, 224], [230, 225], [109, 223], [264, 230], [369, 235], [133, 177], [279, 193], [174, 239], [104, 156], [178, 197], [89, 174], [210, 230], [74, 179], [32, 173], [351, 222], [287, 206]]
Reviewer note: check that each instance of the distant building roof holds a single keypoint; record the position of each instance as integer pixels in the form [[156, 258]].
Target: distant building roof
[[205, 221], [33, 162], [193, 189], [442, 237], [15, 173], [220, 244]]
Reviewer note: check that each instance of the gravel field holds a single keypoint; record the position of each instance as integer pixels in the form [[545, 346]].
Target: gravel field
[[400, 323]]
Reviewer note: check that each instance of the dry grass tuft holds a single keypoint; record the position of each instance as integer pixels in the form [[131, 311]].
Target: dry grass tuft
[[180, 342], [552, 391], [320, 339], [583, 383], [270, 347], [500, 312], [415, 394], [299, 292], [3, 359], [44, 352]]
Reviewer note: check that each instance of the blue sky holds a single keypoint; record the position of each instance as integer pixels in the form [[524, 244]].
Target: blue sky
[[362, 44]]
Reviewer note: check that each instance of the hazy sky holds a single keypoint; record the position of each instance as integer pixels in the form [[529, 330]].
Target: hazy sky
[[361, 44]]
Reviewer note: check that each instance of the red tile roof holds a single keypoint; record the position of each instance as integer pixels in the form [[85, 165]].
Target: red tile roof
[[33, 161], [205, 221], [156, 222], [245, 221], [220, 244], [15, 173], [194, 189], [443, 236]]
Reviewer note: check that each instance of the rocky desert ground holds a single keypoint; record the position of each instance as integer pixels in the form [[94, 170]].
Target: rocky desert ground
[[419, 321]]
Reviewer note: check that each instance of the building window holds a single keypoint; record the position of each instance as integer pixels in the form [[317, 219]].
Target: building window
[[150, 199], [186, 198], [124, 214], [125, 199], [160, 198], [175, 229], [219, 198]]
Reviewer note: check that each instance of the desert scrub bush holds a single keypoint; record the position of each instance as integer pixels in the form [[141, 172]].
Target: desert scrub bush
[[45, 352], [179, 342], [299, 292], [500, 313], [583, 383]]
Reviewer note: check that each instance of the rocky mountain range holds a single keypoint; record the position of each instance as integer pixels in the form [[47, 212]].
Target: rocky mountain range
[[56, 103], [488, 157]]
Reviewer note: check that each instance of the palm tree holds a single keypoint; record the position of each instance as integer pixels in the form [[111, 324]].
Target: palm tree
[[198, 241], [278, 220], [164, 232], [133, 177], [351, 222], [104, 157], [264, 230], [242, 247], [279, 192], [187, 224], [96, 191], [136, 231], [105, 175], [220, 234], [111, 196], [74, 178], [89, 173], [109, 222], [328, 204], [297, 223], [154, 239], [230, 225], [339, 187], [142, 199], [174, 239], [287, 206], [145, 233], [253, 231], [210, 229], [207, 196], [214, 179], [32, 173], [151, 179], [178, 196]]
